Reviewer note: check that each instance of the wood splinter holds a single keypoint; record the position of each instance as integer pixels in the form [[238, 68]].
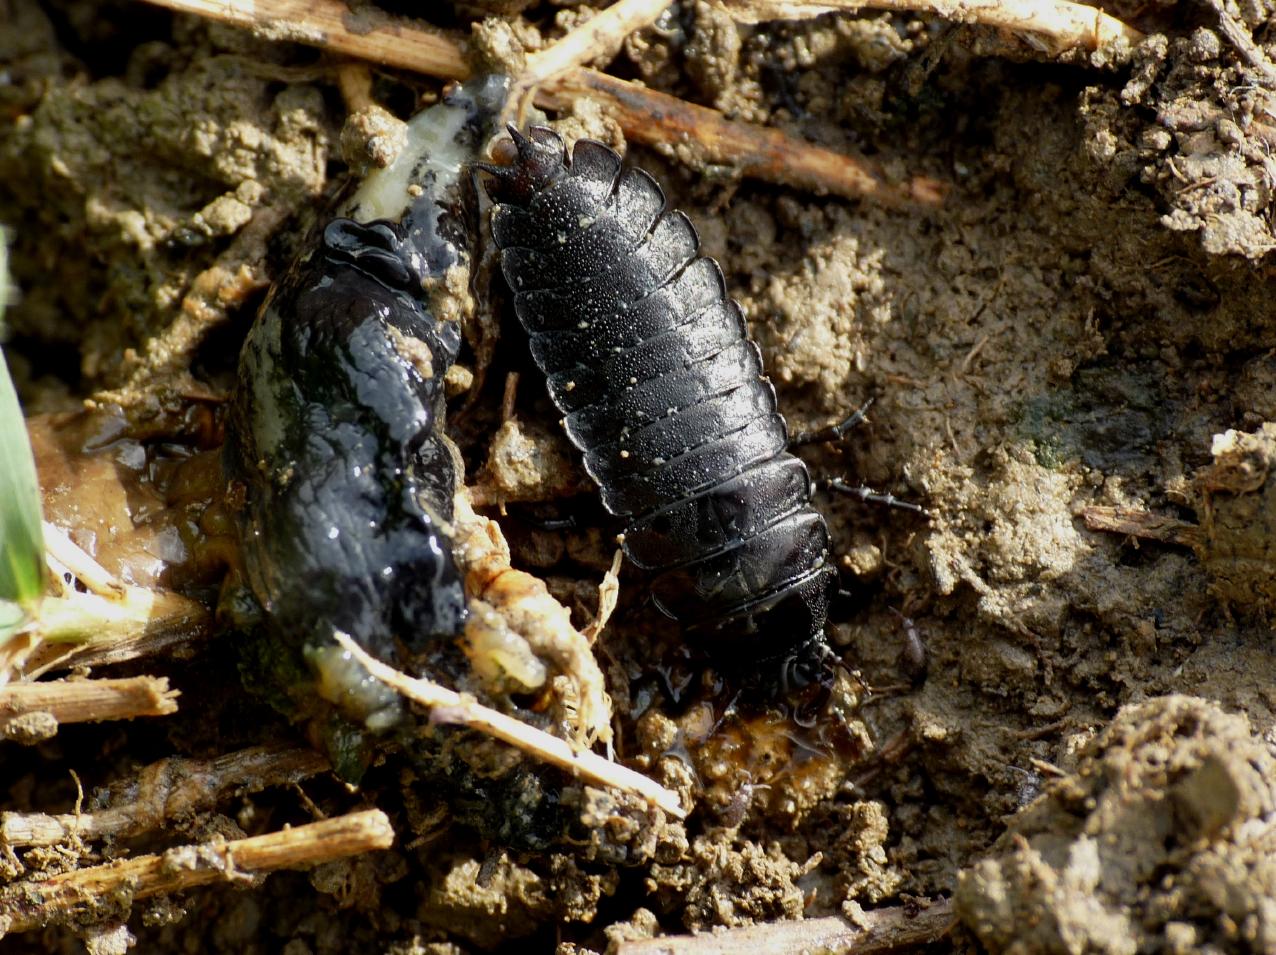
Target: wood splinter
[[1144, 525], [100, 892]]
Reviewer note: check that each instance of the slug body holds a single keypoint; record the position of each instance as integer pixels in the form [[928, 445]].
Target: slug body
[[650, 362], [335, 431]]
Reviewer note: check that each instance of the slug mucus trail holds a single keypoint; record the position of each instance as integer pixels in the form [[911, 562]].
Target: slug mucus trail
[[650, 362], [335, 431]]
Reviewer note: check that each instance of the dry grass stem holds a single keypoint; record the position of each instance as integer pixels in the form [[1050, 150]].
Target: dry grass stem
[[121, 629], [103, 620], [63, 554], [1067, 25], [879, 930], [88, 701], [162, 791], [173, 644], [456, 708], [372, 35], [705, 135], [108, 616], [600, 36], [102, 890], [656, 119]]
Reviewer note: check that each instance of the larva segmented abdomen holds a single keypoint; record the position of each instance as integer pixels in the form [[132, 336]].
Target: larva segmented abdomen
[[661, 388]]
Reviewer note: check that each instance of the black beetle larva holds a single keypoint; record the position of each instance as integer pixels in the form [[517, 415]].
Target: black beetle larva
[[335, 429], [651, 364]]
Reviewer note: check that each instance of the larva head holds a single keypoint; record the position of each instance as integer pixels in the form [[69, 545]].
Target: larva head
[[797, 619], [524, 165], [771, 630]]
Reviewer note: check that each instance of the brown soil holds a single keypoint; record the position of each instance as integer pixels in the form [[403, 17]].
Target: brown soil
[[1088, 763]]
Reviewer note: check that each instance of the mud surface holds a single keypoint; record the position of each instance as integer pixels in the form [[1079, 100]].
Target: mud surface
[[1088, 761], [1161, 838]]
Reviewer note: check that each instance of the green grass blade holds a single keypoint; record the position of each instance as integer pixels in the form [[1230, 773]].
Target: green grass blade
[[21, 537]]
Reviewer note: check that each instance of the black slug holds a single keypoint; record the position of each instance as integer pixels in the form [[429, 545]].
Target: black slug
[[336, 428]]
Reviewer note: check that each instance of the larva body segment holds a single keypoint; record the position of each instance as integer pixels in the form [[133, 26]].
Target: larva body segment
[[663, 392]]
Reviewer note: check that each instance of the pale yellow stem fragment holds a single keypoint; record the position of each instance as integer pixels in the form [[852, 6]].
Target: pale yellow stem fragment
[[452, 707]]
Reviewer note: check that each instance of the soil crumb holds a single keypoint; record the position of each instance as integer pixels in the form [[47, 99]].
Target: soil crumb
[[1161, 839]]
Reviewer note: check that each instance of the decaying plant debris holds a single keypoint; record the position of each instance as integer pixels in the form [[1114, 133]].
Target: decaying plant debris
[[1045, 252]]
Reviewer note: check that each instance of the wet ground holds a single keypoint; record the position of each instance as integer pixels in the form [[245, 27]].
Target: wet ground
[[1087, 763]]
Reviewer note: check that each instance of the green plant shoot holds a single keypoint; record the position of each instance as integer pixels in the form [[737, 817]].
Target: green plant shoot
[[21, 538]]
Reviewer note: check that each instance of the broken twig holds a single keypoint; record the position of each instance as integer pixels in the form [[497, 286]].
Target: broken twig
[[645, 115], [761, 152], [1143, 524], [466, 711], [375, 36], [89, 701], [163, 791], [101, 890], [599, 36], [1239, 36]]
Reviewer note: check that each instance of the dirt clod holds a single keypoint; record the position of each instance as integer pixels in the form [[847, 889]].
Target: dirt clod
[[1162, 833], [1238, 511]]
